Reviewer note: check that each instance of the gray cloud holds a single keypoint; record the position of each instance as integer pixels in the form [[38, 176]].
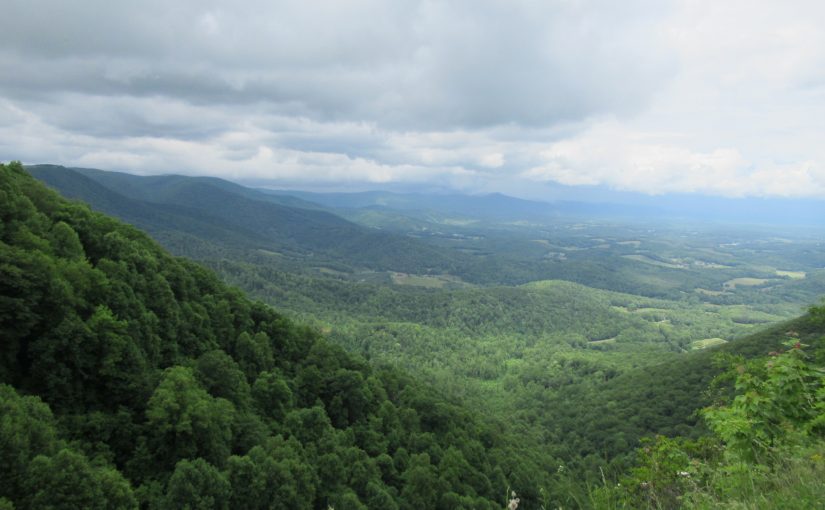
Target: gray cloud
[[473, 94], [402, 65]]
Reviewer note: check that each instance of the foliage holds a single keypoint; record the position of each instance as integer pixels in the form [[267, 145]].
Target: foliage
[[577, 370], [766, 451], [197, 485], [131, 377], [69, 480], [777, 402]]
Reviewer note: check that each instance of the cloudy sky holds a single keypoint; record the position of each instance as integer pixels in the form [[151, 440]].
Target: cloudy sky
[[700, 96]]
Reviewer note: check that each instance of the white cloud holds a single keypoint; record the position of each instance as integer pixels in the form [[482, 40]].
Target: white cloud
[[609, 154], [491, 160], [676, 96]]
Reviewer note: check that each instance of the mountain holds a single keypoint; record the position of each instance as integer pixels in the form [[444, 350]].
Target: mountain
[[167, 188], [211, 219], [131, 378], [579, 375], [496, 206], [584, 202], [239, 218]]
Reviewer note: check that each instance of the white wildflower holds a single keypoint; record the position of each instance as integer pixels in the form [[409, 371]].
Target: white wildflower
[[514, 501]]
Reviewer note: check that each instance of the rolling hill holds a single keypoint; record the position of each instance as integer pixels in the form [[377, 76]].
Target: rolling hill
[[242, 219]]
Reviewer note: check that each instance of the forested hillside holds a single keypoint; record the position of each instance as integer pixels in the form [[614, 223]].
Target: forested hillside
[[570, 377], [234, 221], [766, 440], [214, 220], [132, 378]]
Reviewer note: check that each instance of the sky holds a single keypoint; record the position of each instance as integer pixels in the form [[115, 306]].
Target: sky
[[708, 97]]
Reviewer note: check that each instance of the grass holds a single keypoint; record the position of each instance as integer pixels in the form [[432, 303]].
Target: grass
[[793, 275], [429, 282], [658, 263], [708, 342], [605, 341], [707, 292], [797, 482], [650, 309], [744, 282], [710, 265], [459, 222], [327, 270]]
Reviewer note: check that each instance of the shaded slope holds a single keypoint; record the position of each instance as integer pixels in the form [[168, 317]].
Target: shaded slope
[[162, 188], [192, 205], [597, 422], [157, 218]]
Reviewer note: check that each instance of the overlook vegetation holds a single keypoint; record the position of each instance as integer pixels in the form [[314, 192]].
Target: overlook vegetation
[[447, 357], [766, 450]]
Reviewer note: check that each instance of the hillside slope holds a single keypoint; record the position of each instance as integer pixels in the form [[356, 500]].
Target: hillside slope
[[130, 377], [209, 208], [604, 420]]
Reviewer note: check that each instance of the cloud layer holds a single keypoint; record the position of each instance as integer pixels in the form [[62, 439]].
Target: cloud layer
[[707, 97]]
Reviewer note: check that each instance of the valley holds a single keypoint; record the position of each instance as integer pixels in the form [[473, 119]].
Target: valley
[[451, 255], [523, 319]]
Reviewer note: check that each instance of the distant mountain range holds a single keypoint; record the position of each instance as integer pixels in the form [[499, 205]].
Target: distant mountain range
[[493, 207], [181, 209], [589, 203]]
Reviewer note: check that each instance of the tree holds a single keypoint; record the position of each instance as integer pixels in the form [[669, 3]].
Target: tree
[[272, 476], [221, 376], [68, 481], [186, 422], [27, 429], [272, 395], [197, 485], [422, 487], [65, 241], [777, 401]]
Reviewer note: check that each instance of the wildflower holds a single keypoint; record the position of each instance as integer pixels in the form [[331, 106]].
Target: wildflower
[[683, 473], [514, 501]]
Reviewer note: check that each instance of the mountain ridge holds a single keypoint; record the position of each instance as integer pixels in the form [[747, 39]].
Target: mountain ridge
[[253, 222]]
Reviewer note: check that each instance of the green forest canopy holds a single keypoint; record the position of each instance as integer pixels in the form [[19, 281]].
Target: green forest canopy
[[132, 377], [129, 377]]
